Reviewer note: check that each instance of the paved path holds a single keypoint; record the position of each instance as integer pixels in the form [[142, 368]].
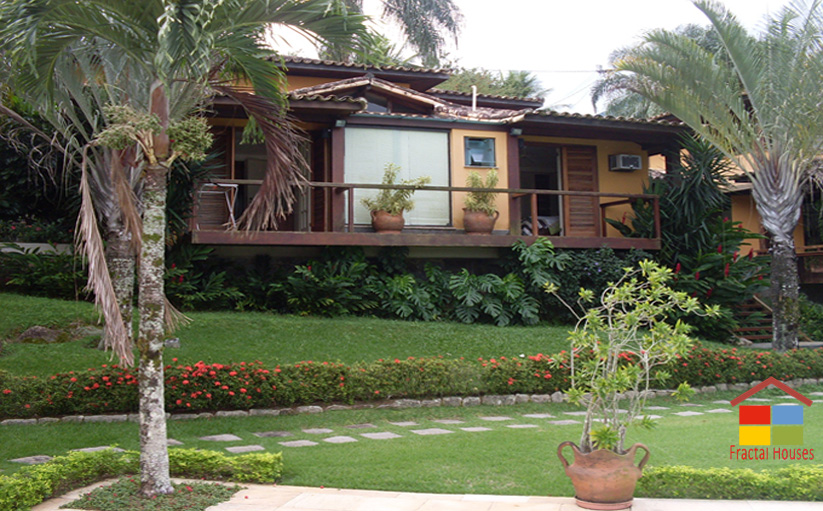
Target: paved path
[[295, 498]]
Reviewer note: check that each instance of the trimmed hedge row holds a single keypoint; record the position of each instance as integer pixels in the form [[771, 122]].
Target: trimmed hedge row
[[795, 482], [31, 485], [211, 387]]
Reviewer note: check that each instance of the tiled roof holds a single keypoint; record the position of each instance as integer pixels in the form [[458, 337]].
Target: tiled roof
[[537, 101], [327, 99], [633, 120], [365, 67]]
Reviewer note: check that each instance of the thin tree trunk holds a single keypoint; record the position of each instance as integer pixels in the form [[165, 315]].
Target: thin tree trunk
[[154, 455], [120, 261], [785, 291]]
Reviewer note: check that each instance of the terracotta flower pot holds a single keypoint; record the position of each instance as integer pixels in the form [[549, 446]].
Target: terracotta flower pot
[[478, 222], [603, 479], [383, 222]]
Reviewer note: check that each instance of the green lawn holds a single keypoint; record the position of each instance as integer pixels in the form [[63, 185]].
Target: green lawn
[[234, 336], [499, 461]]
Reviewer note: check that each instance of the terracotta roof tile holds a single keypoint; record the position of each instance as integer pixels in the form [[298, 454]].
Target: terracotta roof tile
[[407, 69]]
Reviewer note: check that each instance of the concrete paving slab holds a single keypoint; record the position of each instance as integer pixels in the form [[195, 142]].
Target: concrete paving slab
[[687, 414], [656, 408], [298, 443], [496, 418], [690, 405], [404, 424], [719, 410], [566, 422], [360, 426], [759, 399], [431, 431], [221, 438], [476, 429], [318, 431], [575, 414], [98, 448], [171, 442], [32, 460], [538, 416], [340, 440], [723, 402], [521, 426], [448, 421], [239, 449]]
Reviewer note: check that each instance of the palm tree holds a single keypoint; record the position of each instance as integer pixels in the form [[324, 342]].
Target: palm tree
[[423, 23], [175, 49], [760, 104], [617, 89]]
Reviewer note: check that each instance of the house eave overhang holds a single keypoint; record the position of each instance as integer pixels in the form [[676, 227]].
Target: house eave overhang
[[419, 79]]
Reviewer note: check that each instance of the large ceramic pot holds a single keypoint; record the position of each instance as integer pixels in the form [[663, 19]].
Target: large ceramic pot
[[384, 222], [478, 222], [603, 479]]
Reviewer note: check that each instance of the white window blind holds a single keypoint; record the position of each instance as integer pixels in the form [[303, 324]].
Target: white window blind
[[417, 152]]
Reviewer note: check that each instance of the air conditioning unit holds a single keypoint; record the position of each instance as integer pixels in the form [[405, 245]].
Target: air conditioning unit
[[625, 162]]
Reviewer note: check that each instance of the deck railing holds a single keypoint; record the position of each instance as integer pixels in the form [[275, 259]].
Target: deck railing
[[348, 189]]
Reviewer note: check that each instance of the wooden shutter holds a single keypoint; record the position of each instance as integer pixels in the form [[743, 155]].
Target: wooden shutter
[[212, 202], [582, 215]]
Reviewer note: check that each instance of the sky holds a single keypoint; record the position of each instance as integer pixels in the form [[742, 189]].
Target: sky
[[565, 42]]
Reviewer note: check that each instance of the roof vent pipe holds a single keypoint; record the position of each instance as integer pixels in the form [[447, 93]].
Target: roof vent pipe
[[474, 98]]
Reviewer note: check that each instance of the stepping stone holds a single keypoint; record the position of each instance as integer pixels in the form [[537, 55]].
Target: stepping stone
[[318, 431], [98, 449], [171, 442], [521, 426], [719, 410], [431, 431], [576, 414], [449, 421], [816, 393], [654, 417], [791, 404], [656, 408], [405, 423], [384, 435], [238, 449], [269, 434], [538, 416], [32, 460], [724, 402], [687, 414], [476, 429], [758, 399], [495, 418], [564, 422], [690, 404], [298, 443], [221, 438], [792, 397], [360, 426], [340, 440]]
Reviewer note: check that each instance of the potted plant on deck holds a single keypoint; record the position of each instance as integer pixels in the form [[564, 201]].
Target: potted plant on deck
[[480, 212], [617, 348], [387, 206]]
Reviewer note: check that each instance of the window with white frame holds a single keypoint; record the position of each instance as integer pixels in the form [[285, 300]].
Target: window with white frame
[[417, 152]]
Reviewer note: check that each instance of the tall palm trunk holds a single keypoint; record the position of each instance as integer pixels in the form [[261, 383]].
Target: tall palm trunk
[[785, 294], [154, 453], [120, 260]]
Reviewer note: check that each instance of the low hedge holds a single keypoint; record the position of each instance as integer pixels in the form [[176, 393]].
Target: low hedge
[[33, 484], [795, 482], [210, 387]]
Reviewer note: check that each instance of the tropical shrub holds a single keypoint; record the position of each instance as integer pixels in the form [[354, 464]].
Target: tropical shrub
[[34, 230], [481, 201], [395, 201], [34, 272], [192, 283], [811, 318]]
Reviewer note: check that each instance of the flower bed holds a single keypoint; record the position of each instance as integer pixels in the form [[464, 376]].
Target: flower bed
[[242, 386]]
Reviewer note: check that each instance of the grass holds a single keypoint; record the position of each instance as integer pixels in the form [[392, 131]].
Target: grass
[[501, 461], [243, 336]]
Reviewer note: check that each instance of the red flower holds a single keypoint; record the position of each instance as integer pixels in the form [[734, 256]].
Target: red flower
[[726, 270], [697, 275], [6, 391], [719, 249], [677, 268]]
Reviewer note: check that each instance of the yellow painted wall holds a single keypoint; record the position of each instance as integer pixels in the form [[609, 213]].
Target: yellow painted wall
[[745, 211], [609, 181], [459, 172]]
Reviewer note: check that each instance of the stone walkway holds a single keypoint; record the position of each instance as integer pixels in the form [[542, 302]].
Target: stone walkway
[[368, 432], [294, 498]]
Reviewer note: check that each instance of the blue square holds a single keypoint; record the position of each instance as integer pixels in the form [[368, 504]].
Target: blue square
[[787, 414]]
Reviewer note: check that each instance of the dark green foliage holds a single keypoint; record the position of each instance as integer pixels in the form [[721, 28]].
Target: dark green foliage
[[811, 318], [125, 494], [503, 300], [33, 484], [700, 243], [34, 272], [191, 282], [34, 230], [794, 482]]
